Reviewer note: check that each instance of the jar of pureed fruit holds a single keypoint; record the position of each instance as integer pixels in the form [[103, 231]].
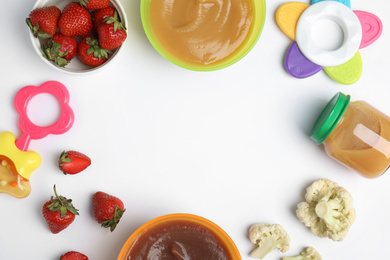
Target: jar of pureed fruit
[[355, 134]]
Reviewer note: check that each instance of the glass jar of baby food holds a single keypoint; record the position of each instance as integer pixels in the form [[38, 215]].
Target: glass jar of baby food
[[355, 134]]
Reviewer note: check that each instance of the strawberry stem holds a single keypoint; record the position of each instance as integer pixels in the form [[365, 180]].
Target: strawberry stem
[[113, 222], [55, 193], [63, 159], [84, 3], [62, 204], [52, 53], [35, 30], [115, 20], [95, 49]]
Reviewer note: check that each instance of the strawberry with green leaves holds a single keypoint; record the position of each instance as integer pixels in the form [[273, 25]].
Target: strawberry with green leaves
[[75, 20], [73, 162], [99, 15], [90, 52], [73, 255], [94, 4], [59, 213], [60, 49], [107, 209], [111, 32], [43, 21]]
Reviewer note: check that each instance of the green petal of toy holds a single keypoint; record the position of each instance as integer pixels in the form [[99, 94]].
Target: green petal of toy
[[347, 73]]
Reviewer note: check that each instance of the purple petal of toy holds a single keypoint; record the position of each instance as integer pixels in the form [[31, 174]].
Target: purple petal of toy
[[297, 65], [346, 2], [371, 26]]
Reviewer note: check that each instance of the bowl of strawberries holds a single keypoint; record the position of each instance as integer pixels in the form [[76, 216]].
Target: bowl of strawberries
[[77, 36]]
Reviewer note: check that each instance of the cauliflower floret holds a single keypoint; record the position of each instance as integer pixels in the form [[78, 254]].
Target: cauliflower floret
[[309, 253], [267, 237], [328, 210]]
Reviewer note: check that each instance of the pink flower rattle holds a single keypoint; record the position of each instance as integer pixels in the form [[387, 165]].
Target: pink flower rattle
[[16, 163]]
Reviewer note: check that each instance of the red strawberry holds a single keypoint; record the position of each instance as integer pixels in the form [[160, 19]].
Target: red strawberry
[[73, 255], [90, 53], [112, 33], [43, 21], [107, 209], [72, 162], [59, 213], [60, 49], [75, 20], [95, 4], [99, 15]]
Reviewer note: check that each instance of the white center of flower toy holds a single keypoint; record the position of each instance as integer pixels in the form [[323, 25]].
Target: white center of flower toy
[[329, 12]]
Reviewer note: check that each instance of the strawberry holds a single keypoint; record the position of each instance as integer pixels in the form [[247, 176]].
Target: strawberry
[[112, 33], [43, 21], [73, 255], [94, 4], [90, 53], [99, 15], [107, 209], [59, 213], [75, 20], [60, 49], [72, 162]]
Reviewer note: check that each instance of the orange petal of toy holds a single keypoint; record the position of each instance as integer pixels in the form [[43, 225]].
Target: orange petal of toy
[[287, 17], [347, 73]]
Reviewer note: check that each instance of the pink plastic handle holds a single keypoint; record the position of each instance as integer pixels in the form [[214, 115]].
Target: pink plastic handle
[[30, 130]]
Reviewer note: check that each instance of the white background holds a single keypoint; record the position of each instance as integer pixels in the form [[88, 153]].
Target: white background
[[230, 145]]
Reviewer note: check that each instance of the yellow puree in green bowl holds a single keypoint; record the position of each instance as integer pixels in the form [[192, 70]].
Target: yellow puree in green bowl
[[203, 34]]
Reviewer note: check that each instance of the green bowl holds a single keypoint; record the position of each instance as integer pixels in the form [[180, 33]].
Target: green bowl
[[254, 34]]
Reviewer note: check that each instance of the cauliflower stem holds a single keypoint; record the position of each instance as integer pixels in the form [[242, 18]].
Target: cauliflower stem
[[329, 211], [265, 247], [268, 237], [309, 253], [298, 257]]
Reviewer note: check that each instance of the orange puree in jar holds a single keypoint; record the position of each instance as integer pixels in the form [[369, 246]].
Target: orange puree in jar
[[201, 31], [355, 134], [367, 150]]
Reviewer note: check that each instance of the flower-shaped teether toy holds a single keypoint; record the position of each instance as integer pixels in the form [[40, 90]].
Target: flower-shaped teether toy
[[16, 163], [305, 58]]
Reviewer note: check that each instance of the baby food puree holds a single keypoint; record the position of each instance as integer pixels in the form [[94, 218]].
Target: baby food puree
[[201, 32], [179, 236], [179, 240]]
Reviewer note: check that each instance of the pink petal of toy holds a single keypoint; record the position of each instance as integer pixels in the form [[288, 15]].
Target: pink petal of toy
[[371, 26], [297, 65], [347, 73]]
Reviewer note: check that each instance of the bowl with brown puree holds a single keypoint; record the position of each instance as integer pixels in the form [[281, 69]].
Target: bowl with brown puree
[[179, 237], [203, 35]]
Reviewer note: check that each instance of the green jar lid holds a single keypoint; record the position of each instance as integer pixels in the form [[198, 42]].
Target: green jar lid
[[329, 117]]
